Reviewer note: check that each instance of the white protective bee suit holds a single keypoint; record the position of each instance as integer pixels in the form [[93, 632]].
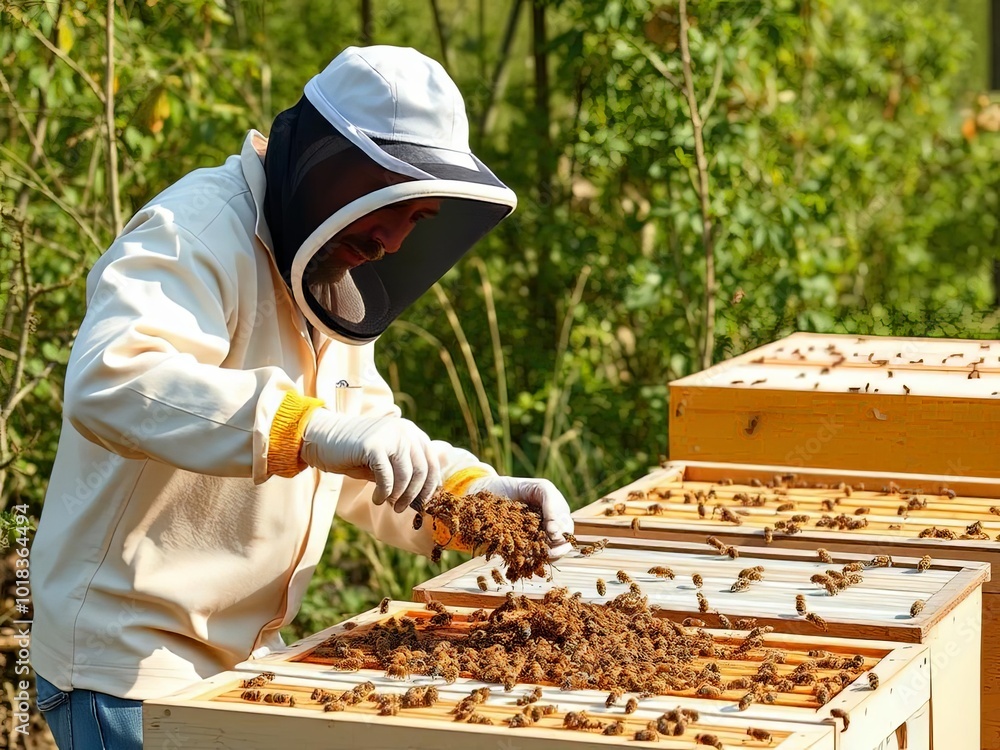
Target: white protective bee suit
[[219, 379]]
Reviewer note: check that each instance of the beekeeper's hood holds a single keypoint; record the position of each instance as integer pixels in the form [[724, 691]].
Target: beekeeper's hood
[[381, 129]]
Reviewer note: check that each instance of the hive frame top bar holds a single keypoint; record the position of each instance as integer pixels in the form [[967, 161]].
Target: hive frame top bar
[[901, 667], [595, 522], [447, 735], [453, 587], [858, 354]]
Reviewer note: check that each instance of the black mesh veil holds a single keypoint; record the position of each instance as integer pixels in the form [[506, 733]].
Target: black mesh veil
[[319, 184]]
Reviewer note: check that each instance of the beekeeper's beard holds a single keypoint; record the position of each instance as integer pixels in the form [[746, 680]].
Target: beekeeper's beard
[[328, 269]]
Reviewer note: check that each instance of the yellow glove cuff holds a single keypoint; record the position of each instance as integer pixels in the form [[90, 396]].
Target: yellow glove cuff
[[285, 436]]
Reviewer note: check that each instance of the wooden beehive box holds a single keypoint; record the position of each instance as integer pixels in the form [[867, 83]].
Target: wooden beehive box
[[912, 405], [680, 521], [877, 608], [897, 709], [212, 715]]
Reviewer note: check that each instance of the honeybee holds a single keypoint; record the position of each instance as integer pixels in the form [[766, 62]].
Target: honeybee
[[824, 556], [917, 607], [383, 606], [880, 561], [602, 587], [784, 507], [482, 583], [873, 681], [250, 695], [614, 728], [761, 735], [336, 705], [724, 621], [321, 696], [631, 705], [819, 579], [436, 553], [745, 702], [732, 552], [800, 604], [822, 695], [708, 739], [693, 622], [839, 713], [661, 572], [702, 602], [740, 584], [636, 526], [924, 564], [714, 541], [532, 697], [709, 691], [816, 620], [697, 580], [862, 511], [623, 577], [853, 567], [418, 521], [259, 681], [389, 705], [768, 535], [498, 577], [646, 735], [728, 516], [701, 510], [279, 699]]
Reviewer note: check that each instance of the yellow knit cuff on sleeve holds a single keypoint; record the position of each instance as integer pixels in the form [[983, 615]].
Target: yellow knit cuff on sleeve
[[285, 437], [458, 483]]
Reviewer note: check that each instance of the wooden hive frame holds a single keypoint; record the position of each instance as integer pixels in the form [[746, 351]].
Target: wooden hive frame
[[869, 403], [680, 522], [211, 712], [899, 705], [877, 608]]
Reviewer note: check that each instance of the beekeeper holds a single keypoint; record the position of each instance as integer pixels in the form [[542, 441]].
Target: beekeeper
[[222, 401]]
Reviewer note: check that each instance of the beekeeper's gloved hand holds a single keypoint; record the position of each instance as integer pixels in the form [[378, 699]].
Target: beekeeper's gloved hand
[[390, 451], [540, 494]]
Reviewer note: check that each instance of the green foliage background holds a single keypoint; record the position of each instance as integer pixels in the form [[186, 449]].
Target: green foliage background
[[853, 186]]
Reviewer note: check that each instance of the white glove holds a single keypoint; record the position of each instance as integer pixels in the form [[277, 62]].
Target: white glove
[[540, 494], [390, 451]]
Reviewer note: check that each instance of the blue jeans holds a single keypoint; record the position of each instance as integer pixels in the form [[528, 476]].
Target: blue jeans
[[85, 720]]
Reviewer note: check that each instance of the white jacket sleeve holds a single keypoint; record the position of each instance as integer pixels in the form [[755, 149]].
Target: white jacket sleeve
[[355, 504], [145, 379]]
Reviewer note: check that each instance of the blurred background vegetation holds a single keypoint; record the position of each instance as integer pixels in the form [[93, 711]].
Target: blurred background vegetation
[[695, 178]]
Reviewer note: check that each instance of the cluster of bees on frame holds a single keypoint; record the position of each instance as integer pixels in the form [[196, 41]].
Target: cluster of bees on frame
[[620, 646], [734, 506], [490, 525]]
